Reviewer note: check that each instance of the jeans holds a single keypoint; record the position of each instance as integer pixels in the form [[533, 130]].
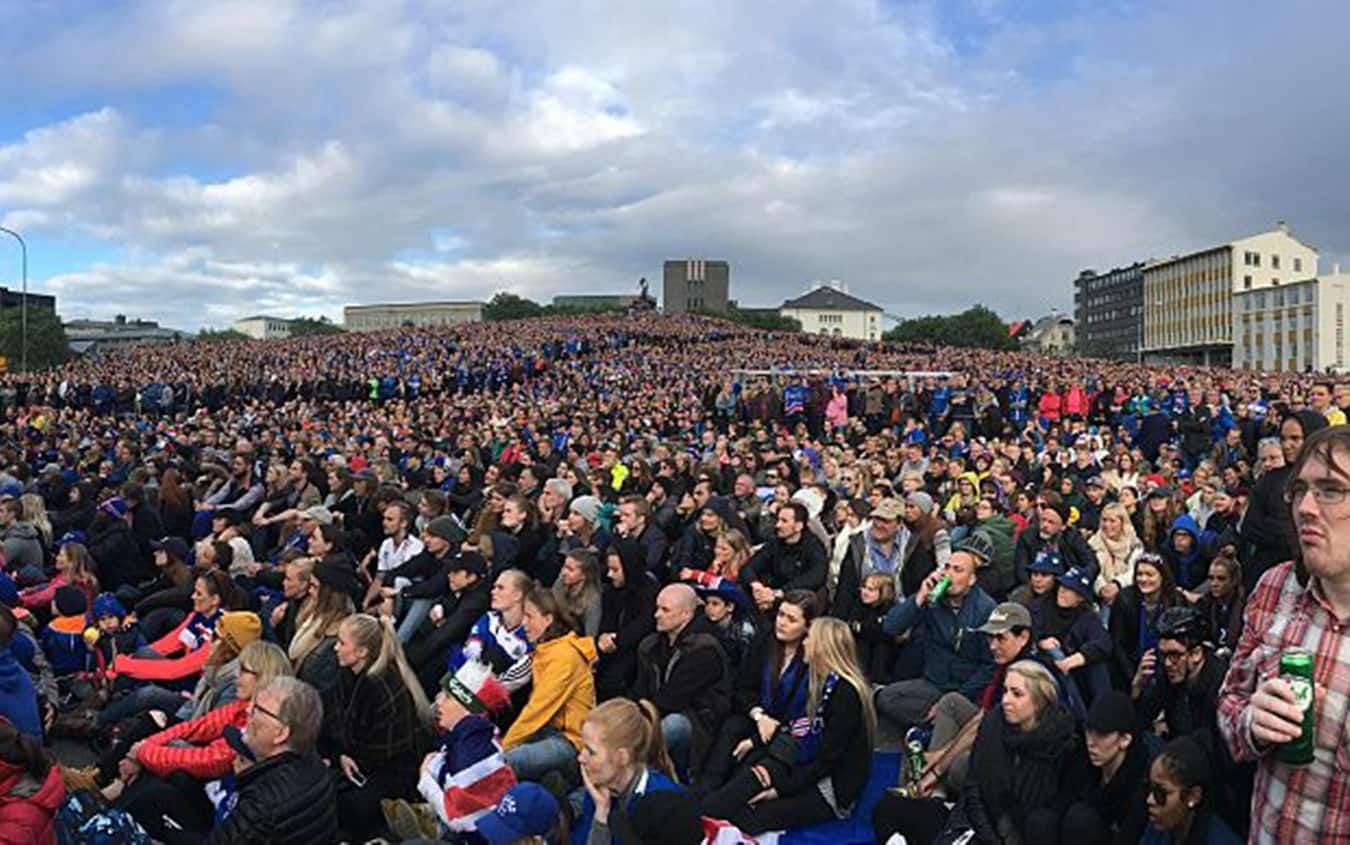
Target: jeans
[[417, 613], [679, 734], [906, 703], [546, 751], [140, 701]]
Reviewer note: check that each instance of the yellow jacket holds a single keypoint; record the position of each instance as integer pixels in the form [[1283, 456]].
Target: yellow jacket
[[563, 691]]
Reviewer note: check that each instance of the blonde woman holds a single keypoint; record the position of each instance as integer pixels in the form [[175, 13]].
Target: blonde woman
[[1117, 548], [623, 757], [35, 513], [833, 747]]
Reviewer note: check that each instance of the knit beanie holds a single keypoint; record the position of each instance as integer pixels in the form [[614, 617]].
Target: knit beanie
[[239, 628], [107, 605], [920, 500], [71, 601]]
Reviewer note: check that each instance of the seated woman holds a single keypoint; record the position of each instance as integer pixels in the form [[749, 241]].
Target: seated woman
[[1135, 614], [31, 789], [376, 723], [626, 607], [313, 648], [731, 551], [1039, 591], [1179, 783], [833, 758], [578, 588], [167, 773], [499, 639], [163, 602], [166, 670], [769, 702], [1223, 605], [1017, 772], [547, 734], [623, 757], [74, 567]]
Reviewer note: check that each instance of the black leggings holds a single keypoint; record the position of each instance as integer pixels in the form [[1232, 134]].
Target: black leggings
[[919, 820], [730, 803], [154, 801], [718, 764]]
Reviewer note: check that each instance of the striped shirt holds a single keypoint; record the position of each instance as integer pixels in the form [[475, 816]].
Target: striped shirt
[[1293, 804]]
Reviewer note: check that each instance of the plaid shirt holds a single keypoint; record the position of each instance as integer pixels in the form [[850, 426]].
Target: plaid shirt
[[1290, 804]]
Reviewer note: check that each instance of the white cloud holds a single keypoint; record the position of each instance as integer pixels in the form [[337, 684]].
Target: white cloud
[[283, 155]]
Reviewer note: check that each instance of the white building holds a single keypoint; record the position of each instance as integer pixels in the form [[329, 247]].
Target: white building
[[262, 327], [1052, 335], [1293, 326], [369, 318], [1188, 299], [830, 311]]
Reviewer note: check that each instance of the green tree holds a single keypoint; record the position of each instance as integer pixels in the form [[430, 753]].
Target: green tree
[[509, 306], [765, 319], [977, 326], [305, 326], [210, 335], [47, 342]]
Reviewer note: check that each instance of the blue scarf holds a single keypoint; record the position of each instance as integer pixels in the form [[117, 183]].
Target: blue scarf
[[808, 746], [784, 697]]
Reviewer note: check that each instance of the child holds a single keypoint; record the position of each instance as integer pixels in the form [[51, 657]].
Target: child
[[729, 610], [108, 637], [1070, 633], [63, 637], [465, 779], [876, 649]]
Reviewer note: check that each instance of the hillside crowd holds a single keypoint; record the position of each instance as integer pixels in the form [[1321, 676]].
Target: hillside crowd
[[649, 579]]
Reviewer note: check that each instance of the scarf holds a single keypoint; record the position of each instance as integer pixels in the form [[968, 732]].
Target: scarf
[[808, 745]]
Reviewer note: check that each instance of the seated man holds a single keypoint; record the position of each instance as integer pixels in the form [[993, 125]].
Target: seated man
[[683, 670], [956, 656], [793, 560]]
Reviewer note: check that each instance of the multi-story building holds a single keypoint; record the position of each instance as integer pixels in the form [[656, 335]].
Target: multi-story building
[[1108, 311], [830, 311], [695, 285], [1293, 326], [369, 318], [263, 327], [14, 299], [1188, 299], [91, 337]]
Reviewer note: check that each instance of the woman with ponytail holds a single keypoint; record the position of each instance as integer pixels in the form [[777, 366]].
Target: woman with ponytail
[[376, 723], [623, 757], [831, 759], [31, 789]]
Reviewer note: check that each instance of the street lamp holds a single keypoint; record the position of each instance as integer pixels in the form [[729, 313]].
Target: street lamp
[[23, 299]]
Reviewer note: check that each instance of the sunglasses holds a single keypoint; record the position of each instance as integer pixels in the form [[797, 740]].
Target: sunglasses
[[1157, 793]]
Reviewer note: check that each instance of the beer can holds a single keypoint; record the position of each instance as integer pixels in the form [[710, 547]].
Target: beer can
[[1296, 667], [939, 589], [915, 757]]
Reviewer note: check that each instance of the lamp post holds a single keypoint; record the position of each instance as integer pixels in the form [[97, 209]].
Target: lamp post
[[23, 299]]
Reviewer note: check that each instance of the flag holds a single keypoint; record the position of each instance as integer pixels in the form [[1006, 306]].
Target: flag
[[718, 832]]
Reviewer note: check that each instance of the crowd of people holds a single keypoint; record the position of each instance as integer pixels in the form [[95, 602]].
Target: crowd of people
[[646, 579]]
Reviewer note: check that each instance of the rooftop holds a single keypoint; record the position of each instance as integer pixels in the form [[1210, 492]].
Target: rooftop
[[826, 298]]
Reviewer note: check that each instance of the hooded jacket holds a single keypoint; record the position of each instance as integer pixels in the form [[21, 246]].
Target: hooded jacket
[[626, 612], [28, 804], [18, 696], [1192, 568], [562, 693], [22, 547]]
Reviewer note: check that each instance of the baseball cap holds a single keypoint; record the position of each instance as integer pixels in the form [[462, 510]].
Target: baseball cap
[[1005, 617], [175, 546], [888, 509], [528, 809], [469, 561], [319, 514]]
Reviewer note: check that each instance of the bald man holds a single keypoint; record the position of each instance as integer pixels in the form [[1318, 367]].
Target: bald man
[[683, 671]]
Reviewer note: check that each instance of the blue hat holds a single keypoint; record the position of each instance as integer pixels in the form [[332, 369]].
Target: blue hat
[[1078, 581], [527, 810], [726, 590], [1048, 562], [73, 537], [11, 490], [107, 605], [115, 507]]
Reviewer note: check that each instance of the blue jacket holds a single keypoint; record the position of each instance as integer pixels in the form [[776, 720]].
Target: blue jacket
[[955, 657], [1209, 829], [655, 782], [18, 697], [1192, 568]]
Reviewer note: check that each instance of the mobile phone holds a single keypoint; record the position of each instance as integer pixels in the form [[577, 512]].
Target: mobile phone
[[358, 779]]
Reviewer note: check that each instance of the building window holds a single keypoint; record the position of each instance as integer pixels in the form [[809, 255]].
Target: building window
[[1298, 265], [1274, 262], [1246, 282]]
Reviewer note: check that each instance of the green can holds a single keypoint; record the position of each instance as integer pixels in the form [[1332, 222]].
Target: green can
[[939, 589], [1296, 667]]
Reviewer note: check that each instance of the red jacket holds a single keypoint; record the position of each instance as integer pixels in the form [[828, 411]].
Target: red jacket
[[1049, 406], [29, 820], [182, 663], [210, 757]]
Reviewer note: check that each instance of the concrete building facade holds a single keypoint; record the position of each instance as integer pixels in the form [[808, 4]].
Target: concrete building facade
[[1292, 327], [369, 318], [695, 285], [1188, 299], [830, 311], [91, 337], [1108, 312], [263, 327]]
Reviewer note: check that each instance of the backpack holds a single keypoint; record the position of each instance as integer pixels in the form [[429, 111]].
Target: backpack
[[83, 821]]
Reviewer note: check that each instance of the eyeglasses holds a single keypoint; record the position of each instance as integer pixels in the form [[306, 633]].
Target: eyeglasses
[[258, 708], [1330, 494], [244, 670], [1157, 793], [1172, 656]]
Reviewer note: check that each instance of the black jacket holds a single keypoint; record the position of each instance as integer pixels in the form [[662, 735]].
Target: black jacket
[[788, 566], [113, 547], [1120, 801], [1073, 551], [691, 676], [1267, 527], [844, 755], [282, 800], [1191, 710], [626, 612]]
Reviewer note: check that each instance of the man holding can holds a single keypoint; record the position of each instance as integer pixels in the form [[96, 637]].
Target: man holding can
[[1296, 642]]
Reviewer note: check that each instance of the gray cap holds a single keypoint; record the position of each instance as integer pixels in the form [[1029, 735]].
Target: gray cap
[[319, 514], [1005, 617], [587, 506], [920, 500]]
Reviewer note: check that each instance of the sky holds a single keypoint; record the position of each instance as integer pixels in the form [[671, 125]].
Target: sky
[[194, 162]]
